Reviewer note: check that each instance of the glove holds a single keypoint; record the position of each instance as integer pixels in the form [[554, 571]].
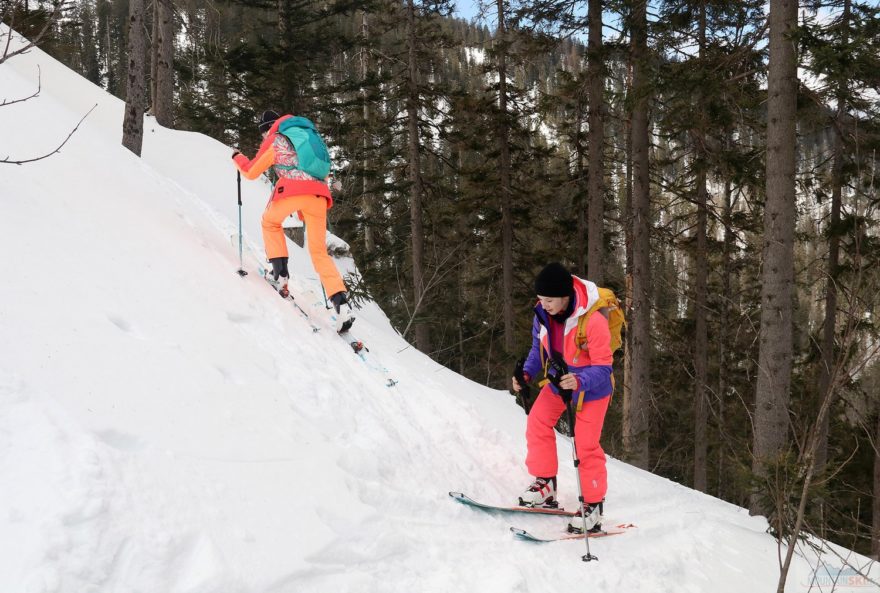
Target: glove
[[235, 153], [525, 393]]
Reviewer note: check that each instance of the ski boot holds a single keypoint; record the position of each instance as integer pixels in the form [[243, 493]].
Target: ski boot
[[280, 276], [593, 513], [344, 318], [541, 493]]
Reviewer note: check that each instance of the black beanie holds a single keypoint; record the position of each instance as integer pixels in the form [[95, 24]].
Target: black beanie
[[267, 119], [554, 281]]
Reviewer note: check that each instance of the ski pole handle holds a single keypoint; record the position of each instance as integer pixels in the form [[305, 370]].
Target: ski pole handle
[[557, 368], [524, 389], [238, 180]]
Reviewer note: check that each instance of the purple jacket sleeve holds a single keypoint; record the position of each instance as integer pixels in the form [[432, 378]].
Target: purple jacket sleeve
[[533, 362], [594, 381]]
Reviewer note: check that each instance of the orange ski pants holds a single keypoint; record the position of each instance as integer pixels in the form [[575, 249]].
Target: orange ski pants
[[541, 459], [314, 213]]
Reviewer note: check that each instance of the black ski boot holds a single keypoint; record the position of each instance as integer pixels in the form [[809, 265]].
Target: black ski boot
[[280, 275], [344, 318]]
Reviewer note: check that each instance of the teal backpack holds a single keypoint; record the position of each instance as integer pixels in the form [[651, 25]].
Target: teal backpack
[[310, 149]]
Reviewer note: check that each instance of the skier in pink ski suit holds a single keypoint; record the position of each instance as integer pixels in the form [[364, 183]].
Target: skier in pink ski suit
[[562, 300]]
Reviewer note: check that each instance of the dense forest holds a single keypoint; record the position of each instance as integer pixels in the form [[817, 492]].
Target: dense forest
[[713, 162]]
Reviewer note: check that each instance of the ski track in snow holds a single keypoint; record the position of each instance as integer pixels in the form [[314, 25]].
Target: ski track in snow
[[167, 426]]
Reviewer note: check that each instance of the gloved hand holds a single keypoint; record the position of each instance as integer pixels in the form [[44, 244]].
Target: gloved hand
[[235, 152], [564, 381], [520, 383]]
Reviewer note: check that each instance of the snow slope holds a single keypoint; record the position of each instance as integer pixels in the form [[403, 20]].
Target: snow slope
[[166, 426]]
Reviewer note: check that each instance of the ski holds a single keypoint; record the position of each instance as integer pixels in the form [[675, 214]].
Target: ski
[[526, 536], [367, 357], [465, 499], [266, 276]]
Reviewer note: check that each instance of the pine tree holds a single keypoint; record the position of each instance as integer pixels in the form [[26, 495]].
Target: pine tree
[[596, 170], [163, 99], [777, 281], [133, 125], [636, 427]]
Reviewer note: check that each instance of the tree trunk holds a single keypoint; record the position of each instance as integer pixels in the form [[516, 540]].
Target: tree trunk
[[628, 234], [581, 201], [163, 104], [415, 177], [875, 527], [133, 124], [505, 189], [828, 330], [596, 170], [775, 345], [154, 53], [701, 337], [723, 320], [369, 240], [635, 428], [112, 75], [701, 341]]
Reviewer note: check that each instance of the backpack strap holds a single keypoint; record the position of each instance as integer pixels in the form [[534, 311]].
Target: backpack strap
[[580, 339]]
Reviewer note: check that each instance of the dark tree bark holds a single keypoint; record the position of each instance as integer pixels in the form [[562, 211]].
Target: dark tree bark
[[875, 527], [369, 240], [505, 188], [628, 233], [133, 124], [701, 341], [415, 176], [830, 325], [596, 168], [701, 337], [772, 392], [723, 320], [154, 51], [163, 103], [581, 201], [635, 422]]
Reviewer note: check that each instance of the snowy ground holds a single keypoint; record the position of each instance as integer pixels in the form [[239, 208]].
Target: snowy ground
[[166, 426]]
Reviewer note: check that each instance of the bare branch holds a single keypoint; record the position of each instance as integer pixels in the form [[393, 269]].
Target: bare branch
[[56, 13], [8, 161], [36, 93]]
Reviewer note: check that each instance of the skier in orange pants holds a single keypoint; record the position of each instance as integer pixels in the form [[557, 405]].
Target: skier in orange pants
[[295, 191]]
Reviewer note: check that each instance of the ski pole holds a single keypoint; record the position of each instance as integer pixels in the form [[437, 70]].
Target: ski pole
[[560, 368], [241, 271]]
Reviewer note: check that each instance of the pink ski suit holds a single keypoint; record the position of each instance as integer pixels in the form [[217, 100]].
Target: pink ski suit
[[591, 365]]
